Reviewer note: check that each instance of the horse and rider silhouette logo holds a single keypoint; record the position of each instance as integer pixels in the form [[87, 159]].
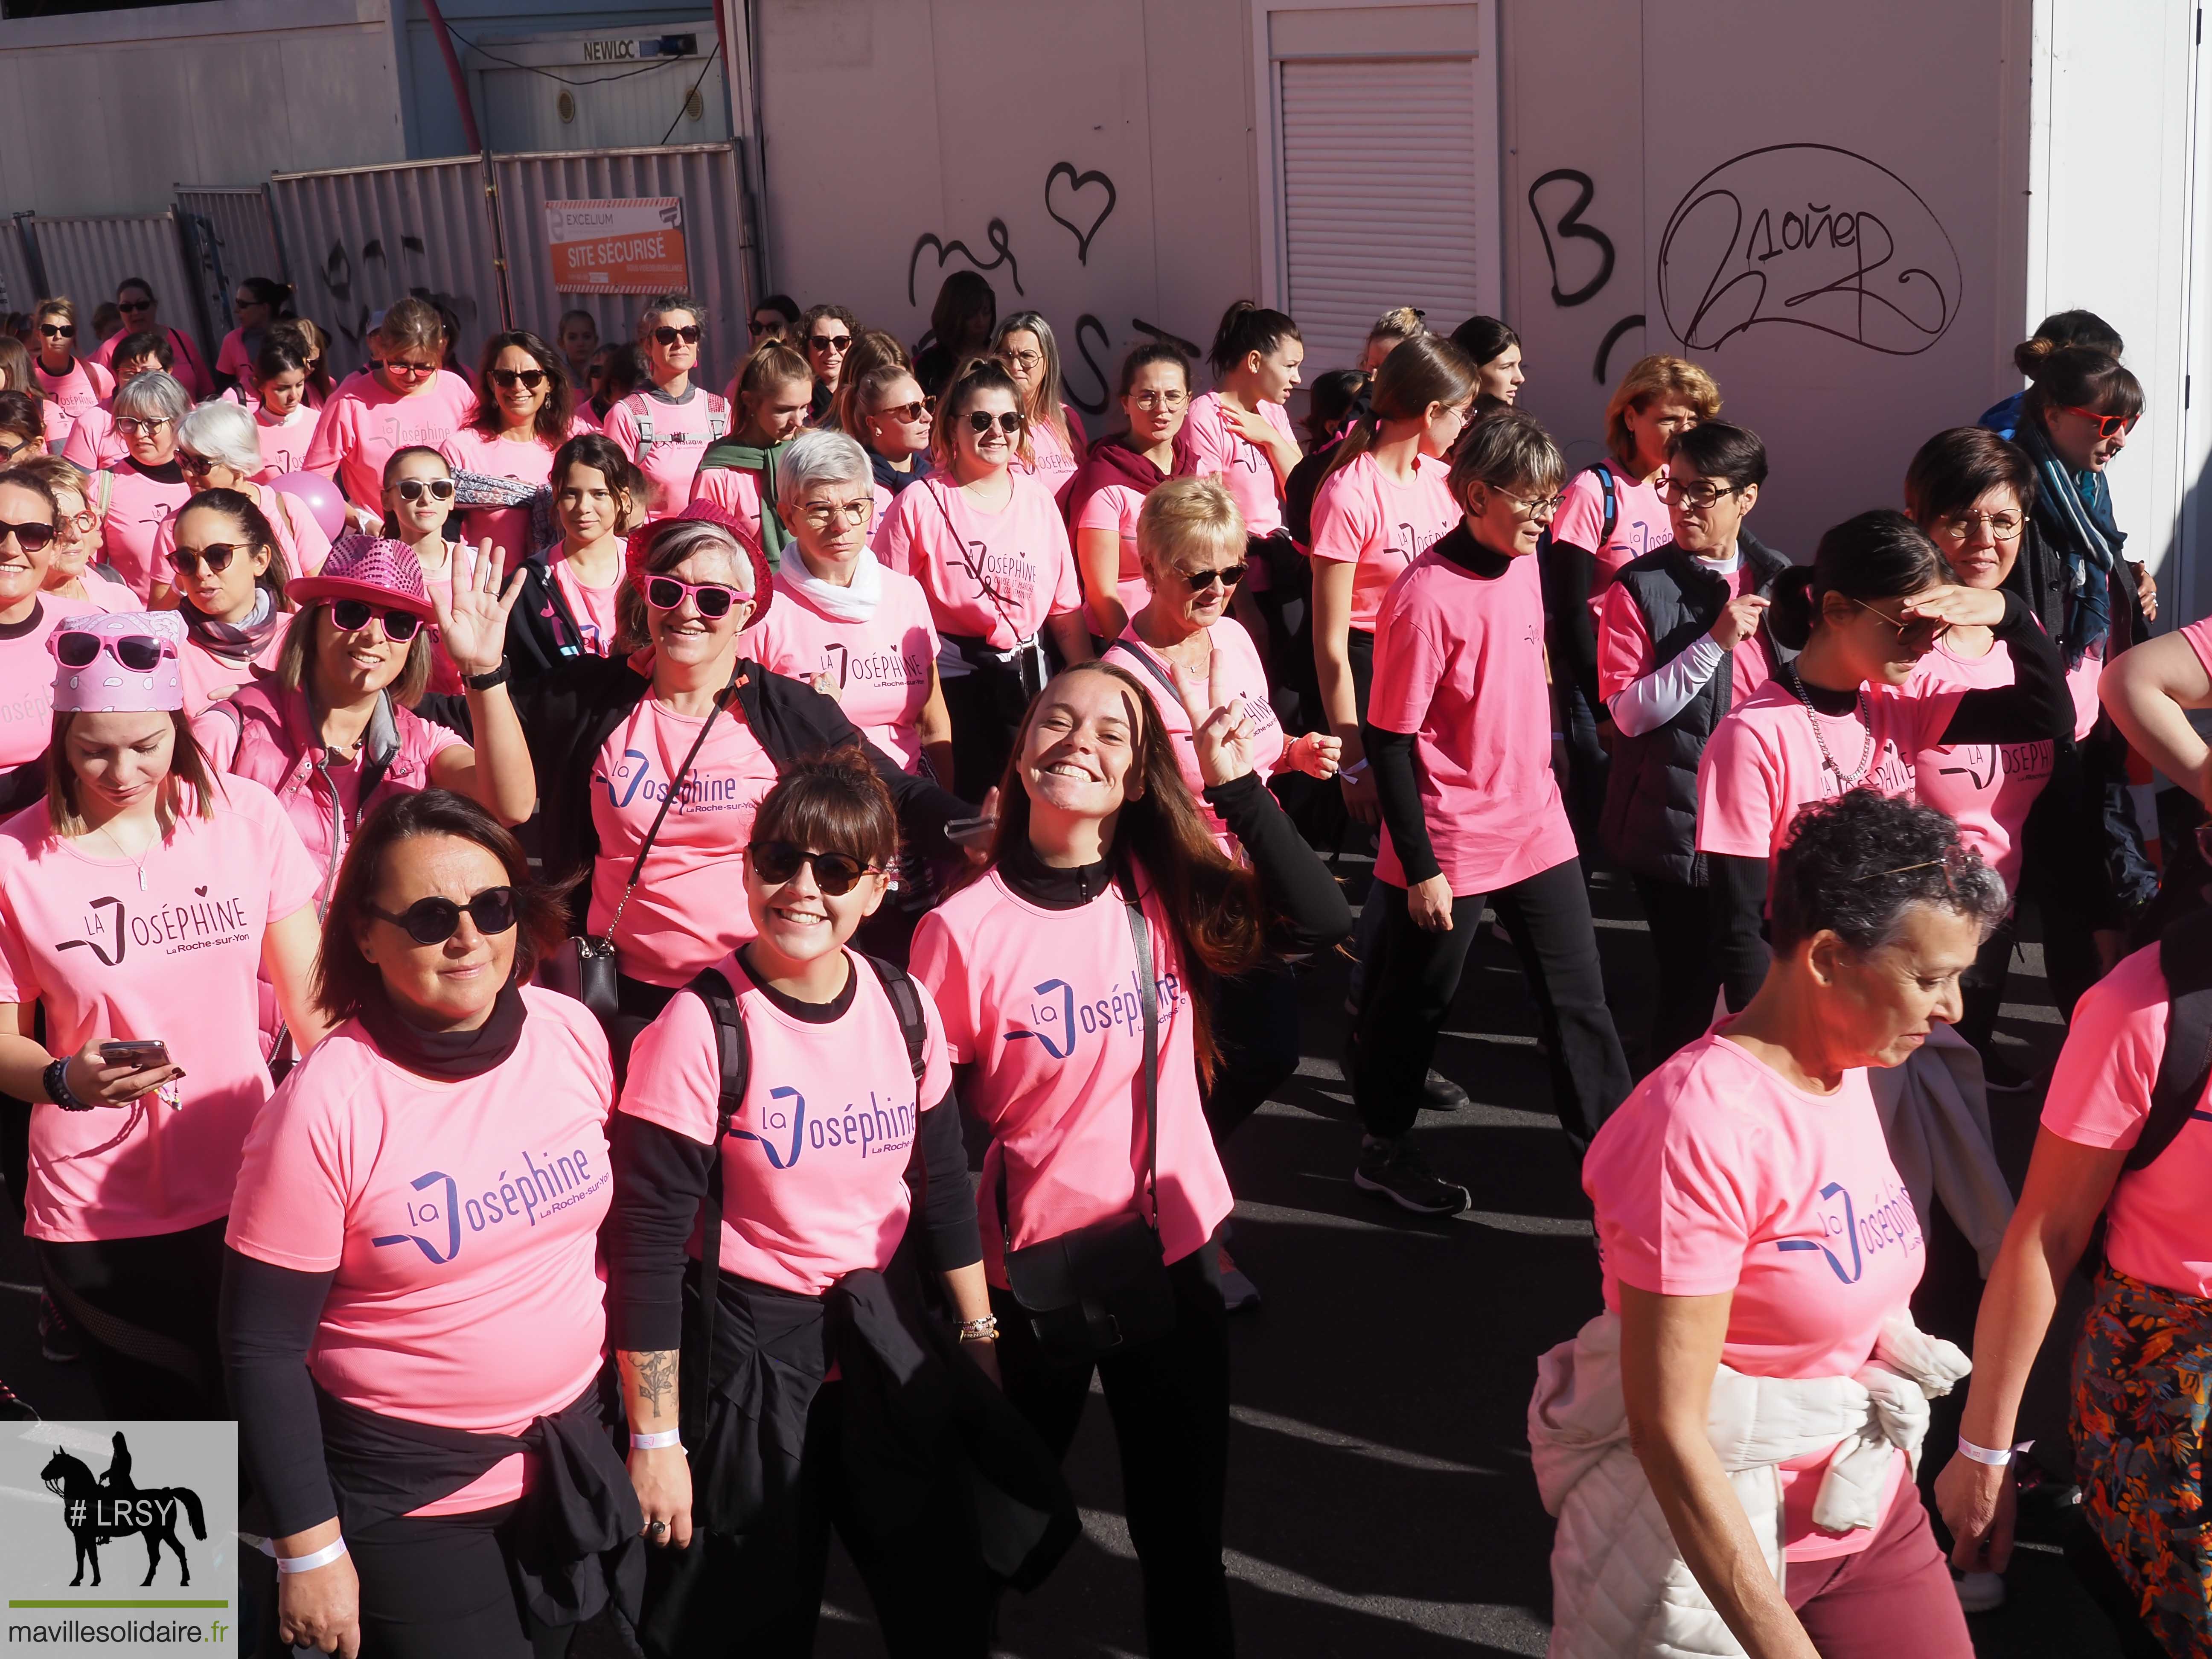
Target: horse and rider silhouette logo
[[99, 1510]]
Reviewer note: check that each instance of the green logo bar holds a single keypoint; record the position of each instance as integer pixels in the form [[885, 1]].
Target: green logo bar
[[117, 1604]]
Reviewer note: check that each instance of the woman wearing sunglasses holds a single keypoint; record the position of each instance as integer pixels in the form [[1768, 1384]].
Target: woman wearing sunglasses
[[1842, 716], [142, 900], [227, 576], [826, 334], [415, 1357], [23, 427], [737, 476], [70, 383], [872, 349], [30, 519], [1103, 882], [419, 498], [142, 314], [259, 302], [1026, 350], [986, 541], [525, 412], [71, 576], [401, 400], [1116, 474], [670, 422], [571, 592], [219, 448], [892, 419], [135, 496]]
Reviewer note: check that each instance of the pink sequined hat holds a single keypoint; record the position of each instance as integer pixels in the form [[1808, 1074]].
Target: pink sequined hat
[[383, 573], [104, 683]]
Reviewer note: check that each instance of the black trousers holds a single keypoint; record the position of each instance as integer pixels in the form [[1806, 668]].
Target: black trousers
[[1169, 1402], [439, 1587], [1680, 918], [145, 1307], [1408, 994], [1256, 1027], [733, 1598], [1981, 987], [1587, 765]]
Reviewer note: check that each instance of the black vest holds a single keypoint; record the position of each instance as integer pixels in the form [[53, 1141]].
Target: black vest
[[1649, 823]]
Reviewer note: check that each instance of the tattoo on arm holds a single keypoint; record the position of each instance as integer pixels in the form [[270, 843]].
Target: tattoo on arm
[[653, 1377]]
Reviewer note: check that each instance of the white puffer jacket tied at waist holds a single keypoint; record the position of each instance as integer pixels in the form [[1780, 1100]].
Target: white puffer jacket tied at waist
[[1620, 1589]]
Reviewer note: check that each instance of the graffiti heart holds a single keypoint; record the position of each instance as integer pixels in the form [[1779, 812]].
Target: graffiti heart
[[1077, 184], [995, 232]]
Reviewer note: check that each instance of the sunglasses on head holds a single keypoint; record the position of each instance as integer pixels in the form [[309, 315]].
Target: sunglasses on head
[[776, 862], [58, 331], [1228, 576], [215, 555], [31, 538], [411, 491], [351, 616], [508, 379], [2108, 426], [434, 921], [1007, 420], [713, 600], [830, 342], [141, 654], [669, 336]]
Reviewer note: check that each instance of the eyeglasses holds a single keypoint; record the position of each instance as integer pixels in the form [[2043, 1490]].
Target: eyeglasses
[[1007, 420], [1915, 635], [822, 514], [58, 331], [830, 342], [134, 305], [1161, 399], [217, 556], [1022, 359], [351, 616], [713, 600], [195, 466], [1228, 576], [1702, 495], [412, 490], [434, 921], [130, 426], [2002, 526], [83, 521], [908, 413], [141, 654], [669, 336], [528, 379], [1529, 506], [31, 538], [776, 862], [2108, 426]]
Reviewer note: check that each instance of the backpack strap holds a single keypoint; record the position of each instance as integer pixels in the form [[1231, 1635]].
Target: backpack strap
[[106, 494], [733, 1055], [1612, 501], [2184, 956], [718, 419], [914, 1026], [642, 417]]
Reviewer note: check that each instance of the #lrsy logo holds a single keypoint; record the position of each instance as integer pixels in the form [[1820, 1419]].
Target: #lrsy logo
[[100, 1510]]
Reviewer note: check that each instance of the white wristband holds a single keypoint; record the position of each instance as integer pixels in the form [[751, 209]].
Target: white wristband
[[309, 1562], [1995, 1460], [655, 1442]]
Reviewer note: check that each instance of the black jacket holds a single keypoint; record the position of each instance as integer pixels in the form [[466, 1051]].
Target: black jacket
[[542, 630]]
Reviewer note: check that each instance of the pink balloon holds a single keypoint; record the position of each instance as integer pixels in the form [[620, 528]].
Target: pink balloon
[[318, 496]]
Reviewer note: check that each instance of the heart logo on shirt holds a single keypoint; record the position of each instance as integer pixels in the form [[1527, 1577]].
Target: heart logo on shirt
[[202, 891]]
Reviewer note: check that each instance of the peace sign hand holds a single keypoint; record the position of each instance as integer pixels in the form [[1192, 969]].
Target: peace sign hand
[[473, 624], [1221, 729]]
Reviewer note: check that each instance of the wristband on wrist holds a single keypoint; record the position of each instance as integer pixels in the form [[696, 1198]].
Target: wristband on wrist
[[1356, 769], [656, 1440], [309, 1562], [484, 682], [1995, 1460], [56, 1079]]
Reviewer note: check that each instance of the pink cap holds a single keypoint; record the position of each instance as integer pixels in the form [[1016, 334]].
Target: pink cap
[[371, 568], [104, 685]]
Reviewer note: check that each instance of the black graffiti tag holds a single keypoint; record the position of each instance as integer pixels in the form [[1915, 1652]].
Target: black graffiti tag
[[1078, 182], [996, 234], [1083, 348], [1572, 229]]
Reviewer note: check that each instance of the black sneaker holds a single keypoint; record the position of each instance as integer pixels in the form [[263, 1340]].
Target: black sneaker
[[1396, 1170], [57, 1336], [14, 1408]]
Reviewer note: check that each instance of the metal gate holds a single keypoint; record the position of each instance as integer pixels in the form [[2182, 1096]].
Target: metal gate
[[86, 259], [232, 236], [17, 290]]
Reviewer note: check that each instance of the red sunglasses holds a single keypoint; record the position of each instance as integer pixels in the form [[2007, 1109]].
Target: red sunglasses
[[2108, 426]]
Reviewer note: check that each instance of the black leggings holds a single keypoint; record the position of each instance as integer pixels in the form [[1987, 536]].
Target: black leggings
[[146, 1309], [1981, 987], [1680, 918], [1256, 1027], [1169, 1402], [439, 1587]]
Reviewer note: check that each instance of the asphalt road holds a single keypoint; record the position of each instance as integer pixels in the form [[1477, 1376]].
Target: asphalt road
[[1379, 1498]]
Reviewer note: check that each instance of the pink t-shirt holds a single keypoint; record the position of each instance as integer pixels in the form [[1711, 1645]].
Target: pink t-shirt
[[530, 463], [93, 443], [232, 359], [736, 491], [176, 957], [814, 1170], [461, 1220], [1363, 519], [190, 369], [1115, 507], [593, 608], [1240, 677], [1717, 1176], [285, 443], [1216, 449], [136, 504], [1987, 787], [1640, 523], [1055, 1063], [299, 537], [1763, 761], [363, 425], [1057, 462], [102, 593], [880, 671], [1460, 663], [688, 911], [682, 434], [84, 385], [26, 675], [1625, 651], [993, 576], [206, 674]]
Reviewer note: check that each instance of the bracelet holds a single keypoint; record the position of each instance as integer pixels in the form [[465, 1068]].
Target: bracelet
[[485, 682], [56, 1079], [985, 1329], [1995, 1460], [656, 1440], [321, 1558], [1356, 769]]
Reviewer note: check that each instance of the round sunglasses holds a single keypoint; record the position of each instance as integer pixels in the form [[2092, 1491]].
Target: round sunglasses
[[1007, 420], [434, 921], [351, 616], [713, 600], [1228, 576], [141, 654], [215, 555], [776, 862]]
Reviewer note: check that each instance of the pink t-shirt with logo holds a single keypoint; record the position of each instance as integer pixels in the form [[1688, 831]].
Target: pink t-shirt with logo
[[1625, 651], [1055, 1065], [936, 534], [880, 671], [530, 463], [688, 911], [363, 426], [93, 443], [814, 1170], [1460, 664], [593, 608], [27, 675], [1057, 462], [1379, 526], [737, 492], [1238, 675], [190, 369], [178, 958], [138, 504], [682, 434], [1717, 1176], [1640, 523], [1115, 507], [86, 384], [1987, 787], [461, 1220], [285, 443], [1215, 448]]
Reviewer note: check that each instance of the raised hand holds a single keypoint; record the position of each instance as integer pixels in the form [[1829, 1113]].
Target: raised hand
[[1220, 729], [473, 624]]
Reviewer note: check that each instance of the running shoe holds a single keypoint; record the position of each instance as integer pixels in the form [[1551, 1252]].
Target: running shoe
[[1238, 1292], [1397, 1171], [1438, 1092], [57, 1336]]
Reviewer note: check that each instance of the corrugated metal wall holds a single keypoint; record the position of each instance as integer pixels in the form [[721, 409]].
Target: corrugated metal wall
[[242, 237], [16, 290], [85, 258]]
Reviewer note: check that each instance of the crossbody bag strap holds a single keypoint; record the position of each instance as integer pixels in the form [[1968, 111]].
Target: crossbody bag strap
[[1151, 663], [675, 784], [969, 565], [733, 1067], [1140, 935]]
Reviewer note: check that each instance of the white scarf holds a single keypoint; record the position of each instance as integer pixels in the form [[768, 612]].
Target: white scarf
[[855, 604]]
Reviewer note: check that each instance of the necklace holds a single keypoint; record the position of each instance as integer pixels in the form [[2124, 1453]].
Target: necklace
[[1813, 720], [139, 863]]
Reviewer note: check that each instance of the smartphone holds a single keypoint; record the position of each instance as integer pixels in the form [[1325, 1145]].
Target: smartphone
[[970, 832], [143, 1055]]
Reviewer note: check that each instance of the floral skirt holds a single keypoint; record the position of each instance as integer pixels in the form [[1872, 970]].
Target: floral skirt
[[2143, 1397]]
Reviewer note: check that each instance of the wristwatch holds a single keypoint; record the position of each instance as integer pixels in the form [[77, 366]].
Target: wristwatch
[[485, 682], [56, 1078]]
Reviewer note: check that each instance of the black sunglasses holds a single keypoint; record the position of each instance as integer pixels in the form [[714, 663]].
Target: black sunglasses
[[1006, 421], [669, 336], [134, 305], [776, 862], [530, 379], [58, 330], [830, 342], [413, 489], [434, 921], [31, 538], [1228, 576], [352, 616], [217, 556]]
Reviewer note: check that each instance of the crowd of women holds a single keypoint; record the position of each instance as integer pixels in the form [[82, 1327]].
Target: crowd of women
[[476, 836]]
